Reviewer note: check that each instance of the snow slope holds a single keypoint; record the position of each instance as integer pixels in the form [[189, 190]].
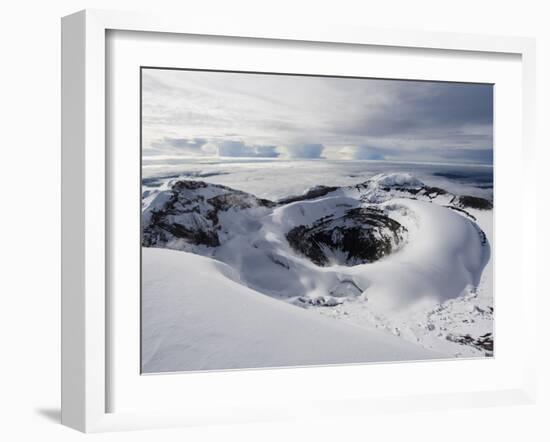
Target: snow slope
[[443, 257], [458, 326], [197, 317]]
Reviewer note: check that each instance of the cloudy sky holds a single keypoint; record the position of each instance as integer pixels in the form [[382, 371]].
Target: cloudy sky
[[205, 114]]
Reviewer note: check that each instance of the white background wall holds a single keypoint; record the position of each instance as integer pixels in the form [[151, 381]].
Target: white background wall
[[30, 221]]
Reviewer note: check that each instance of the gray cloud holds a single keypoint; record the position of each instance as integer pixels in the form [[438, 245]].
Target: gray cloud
[[369, 153], [240, 149], [433, 107], [181, 143], [458, 155], [307, 150], [192, 113], [484, 156], [177, 146], [419, 116]]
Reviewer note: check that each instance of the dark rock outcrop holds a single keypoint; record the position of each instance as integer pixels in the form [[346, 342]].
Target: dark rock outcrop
[[192, 211], [314, 192], [474, 202], [362, 235], [484, 342]]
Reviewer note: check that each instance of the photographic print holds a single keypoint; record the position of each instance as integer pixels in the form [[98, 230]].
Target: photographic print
[[299, 220]]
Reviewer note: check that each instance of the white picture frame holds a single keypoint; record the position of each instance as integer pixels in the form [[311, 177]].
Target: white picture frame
[[85, 202]]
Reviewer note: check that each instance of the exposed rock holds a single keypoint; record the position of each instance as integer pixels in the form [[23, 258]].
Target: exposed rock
[[362, 235], [320, 301], [474, 202], [314, 192], [484, 342], [190, 212]]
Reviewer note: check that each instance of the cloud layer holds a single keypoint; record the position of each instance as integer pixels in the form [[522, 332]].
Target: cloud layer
[[194, 113]]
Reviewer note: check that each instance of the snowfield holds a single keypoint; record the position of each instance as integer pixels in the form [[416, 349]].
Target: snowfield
[[196, 317], [386, 268]]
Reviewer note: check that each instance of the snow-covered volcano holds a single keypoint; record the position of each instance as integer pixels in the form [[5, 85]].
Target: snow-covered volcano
[[390, 252]]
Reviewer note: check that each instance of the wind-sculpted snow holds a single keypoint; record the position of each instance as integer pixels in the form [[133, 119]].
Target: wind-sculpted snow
[[375, 253], [202, 320]]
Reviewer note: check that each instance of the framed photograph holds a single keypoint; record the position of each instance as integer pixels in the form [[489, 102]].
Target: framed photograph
[[264, 224], [368, 201]]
